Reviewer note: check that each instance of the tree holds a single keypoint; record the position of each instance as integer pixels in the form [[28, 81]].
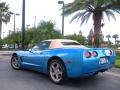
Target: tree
[[81, 39], [101, 37], [45, 30], [115, 36], [90, 37], [48, 31], [108, 37], [84, 9], [13, 38], [4, 15]]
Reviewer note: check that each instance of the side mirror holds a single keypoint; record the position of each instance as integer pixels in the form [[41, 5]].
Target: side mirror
[[30, 50]]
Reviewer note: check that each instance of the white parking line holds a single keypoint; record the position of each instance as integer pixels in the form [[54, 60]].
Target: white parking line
[[113, 74]]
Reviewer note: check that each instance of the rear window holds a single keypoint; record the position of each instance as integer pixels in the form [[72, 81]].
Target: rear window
[[70, 43]]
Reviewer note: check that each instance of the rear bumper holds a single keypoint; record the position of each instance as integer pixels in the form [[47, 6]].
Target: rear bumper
[[91, 71], [87, 71], [88, 67]]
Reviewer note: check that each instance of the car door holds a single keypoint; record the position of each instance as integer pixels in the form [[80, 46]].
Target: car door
[[36, 55]]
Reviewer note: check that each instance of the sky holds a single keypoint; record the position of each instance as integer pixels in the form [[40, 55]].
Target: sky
[[51, 10]]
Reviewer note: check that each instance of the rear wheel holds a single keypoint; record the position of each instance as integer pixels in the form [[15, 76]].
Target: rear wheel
[[15, 63], [57, 71]]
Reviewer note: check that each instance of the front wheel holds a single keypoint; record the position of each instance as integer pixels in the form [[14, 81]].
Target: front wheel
[[15, 63], [57, 71]]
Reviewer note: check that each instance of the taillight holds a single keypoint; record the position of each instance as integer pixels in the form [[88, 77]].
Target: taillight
[[111, 52], [87, 54], [108, 52], [95, 54]]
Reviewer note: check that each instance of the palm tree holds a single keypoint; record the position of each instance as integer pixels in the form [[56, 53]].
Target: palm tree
[[108, 36], [115, 36], [90, 37], [4, 15], [83, 9]]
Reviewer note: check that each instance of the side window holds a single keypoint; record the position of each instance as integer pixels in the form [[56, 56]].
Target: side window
[[35, 48], [44, 45]]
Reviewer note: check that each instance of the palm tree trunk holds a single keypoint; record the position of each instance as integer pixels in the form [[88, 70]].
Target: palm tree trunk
[[108, 41], [97, 27]]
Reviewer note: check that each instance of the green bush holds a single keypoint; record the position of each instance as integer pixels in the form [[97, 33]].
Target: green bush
[[117, 62], [117, 52]]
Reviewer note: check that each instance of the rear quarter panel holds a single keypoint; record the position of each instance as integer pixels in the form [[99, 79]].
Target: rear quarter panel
[[72, 59]]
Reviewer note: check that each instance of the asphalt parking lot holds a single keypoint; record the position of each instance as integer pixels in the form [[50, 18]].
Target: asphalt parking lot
[[29, 80]]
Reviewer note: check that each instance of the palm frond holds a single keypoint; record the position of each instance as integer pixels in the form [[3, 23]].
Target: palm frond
[[90, 8], [85, 18], [67, 9], [109, 14], [84, 8], [82, 14], [117, 11], [5, 13], [74, 7], [78, 15]]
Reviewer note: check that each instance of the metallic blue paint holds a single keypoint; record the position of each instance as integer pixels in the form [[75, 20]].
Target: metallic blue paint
[[79, 66]]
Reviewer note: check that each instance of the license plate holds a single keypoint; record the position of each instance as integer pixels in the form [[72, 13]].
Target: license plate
[[103, 60]]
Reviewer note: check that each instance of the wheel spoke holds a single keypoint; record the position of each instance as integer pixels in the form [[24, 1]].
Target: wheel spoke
[[14, 63], [53, 68], [60, 73], [57, 76], [53, 72], [57, 66]]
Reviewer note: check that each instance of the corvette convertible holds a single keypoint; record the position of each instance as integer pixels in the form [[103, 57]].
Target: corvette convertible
[[62, 59]]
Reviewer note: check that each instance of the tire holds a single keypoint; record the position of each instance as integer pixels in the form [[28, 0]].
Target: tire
[[15, 63], [57, 71]]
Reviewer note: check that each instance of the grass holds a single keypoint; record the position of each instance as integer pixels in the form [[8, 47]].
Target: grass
[[117, 62]]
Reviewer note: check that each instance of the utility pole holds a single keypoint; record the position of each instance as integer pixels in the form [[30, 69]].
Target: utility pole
[[15, 14], [62, 2], [23, 25]]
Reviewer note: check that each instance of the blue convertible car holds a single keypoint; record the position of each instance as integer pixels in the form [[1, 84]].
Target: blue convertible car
[[62, 59]]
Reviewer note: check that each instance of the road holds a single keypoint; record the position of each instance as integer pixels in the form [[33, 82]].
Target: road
[[29, 80]]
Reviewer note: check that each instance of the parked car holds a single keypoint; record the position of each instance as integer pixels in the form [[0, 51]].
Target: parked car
[[62, 59]]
